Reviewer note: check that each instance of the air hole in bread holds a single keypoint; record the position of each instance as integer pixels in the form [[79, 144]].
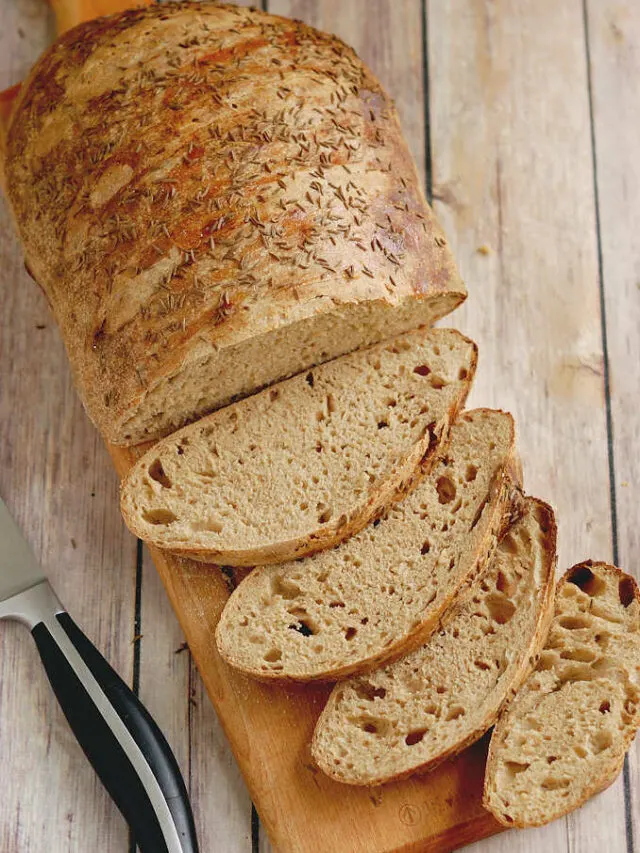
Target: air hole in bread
[[157, 473], [580, 653], [309, 379], [159, 516], [501, 608], [514, 768], [605, 707], [392, 403], [415, 737], [551, 759], [422, 370], [274, 394], [372, 725], [284, 588], [304, 624], [426, 547], [350, 633], [626, 591], [482, 664], [273, 655], [502, 583], [324, 516], [383, 424], [336, 604], [437, 383], [463, 373], [574, 623], [582, 577], [551, 784], [454, 713], [471, 473], [366, 690]]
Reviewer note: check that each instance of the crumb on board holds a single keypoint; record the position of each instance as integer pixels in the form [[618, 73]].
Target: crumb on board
[[484, 249]]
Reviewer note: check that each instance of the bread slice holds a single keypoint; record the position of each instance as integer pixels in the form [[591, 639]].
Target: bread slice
[[382, 592], [412, 714], [564, 736], [307, 463]]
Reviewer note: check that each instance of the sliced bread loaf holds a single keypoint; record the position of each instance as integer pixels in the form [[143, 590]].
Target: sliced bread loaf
[[412, 714], [382, 592], [564, 736], [306, 463]]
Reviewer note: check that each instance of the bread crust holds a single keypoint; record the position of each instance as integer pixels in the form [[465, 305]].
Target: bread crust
[[528, 660], [177, 203], [611, 770]]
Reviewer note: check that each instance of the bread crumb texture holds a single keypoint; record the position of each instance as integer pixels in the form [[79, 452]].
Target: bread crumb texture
[[307, 462], [383, 591], [564, 736], [412, 714]]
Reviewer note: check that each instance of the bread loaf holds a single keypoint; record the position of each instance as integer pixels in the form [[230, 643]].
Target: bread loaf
[[382, 592], [213, 198], [564, 736], [411, 715], [306, 463]]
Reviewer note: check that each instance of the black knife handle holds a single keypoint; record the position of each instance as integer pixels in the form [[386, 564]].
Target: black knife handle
[[138, 769]]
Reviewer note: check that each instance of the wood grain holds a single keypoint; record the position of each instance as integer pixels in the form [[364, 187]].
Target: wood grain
[[513, 187], [613, 30], [59, 484]]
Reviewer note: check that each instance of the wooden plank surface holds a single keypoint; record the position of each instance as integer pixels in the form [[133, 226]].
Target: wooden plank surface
[[613, 31], [57, 480], [513, 187], [512, 172]]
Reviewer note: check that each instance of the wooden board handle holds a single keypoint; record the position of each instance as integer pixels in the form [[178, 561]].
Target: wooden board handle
[[69, 13]]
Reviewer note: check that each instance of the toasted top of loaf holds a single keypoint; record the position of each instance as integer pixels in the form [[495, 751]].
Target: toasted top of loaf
[[307, 463], [383, 591], [186, 177], [564, 736], [412, 714]]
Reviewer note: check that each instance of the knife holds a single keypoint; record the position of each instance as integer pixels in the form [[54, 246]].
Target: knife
[[118, 735]]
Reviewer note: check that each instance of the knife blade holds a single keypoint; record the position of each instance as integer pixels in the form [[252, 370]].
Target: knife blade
[[19, 569], [118, 735]]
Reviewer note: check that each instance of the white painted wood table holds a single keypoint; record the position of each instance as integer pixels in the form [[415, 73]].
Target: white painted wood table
[[523, 116]]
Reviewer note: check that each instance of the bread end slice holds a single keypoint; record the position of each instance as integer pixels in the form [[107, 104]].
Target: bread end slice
[[564, 736]]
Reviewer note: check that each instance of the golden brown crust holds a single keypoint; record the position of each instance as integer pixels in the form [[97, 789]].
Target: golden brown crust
[[186, 178]]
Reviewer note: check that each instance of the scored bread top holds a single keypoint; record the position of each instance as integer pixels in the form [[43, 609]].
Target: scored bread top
[[564, 736], [414, 713], [383, 591], [305, 463], [187, 178]]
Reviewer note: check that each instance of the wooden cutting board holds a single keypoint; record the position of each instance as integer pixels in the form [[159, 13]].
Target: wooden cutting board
[[269, 727]]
